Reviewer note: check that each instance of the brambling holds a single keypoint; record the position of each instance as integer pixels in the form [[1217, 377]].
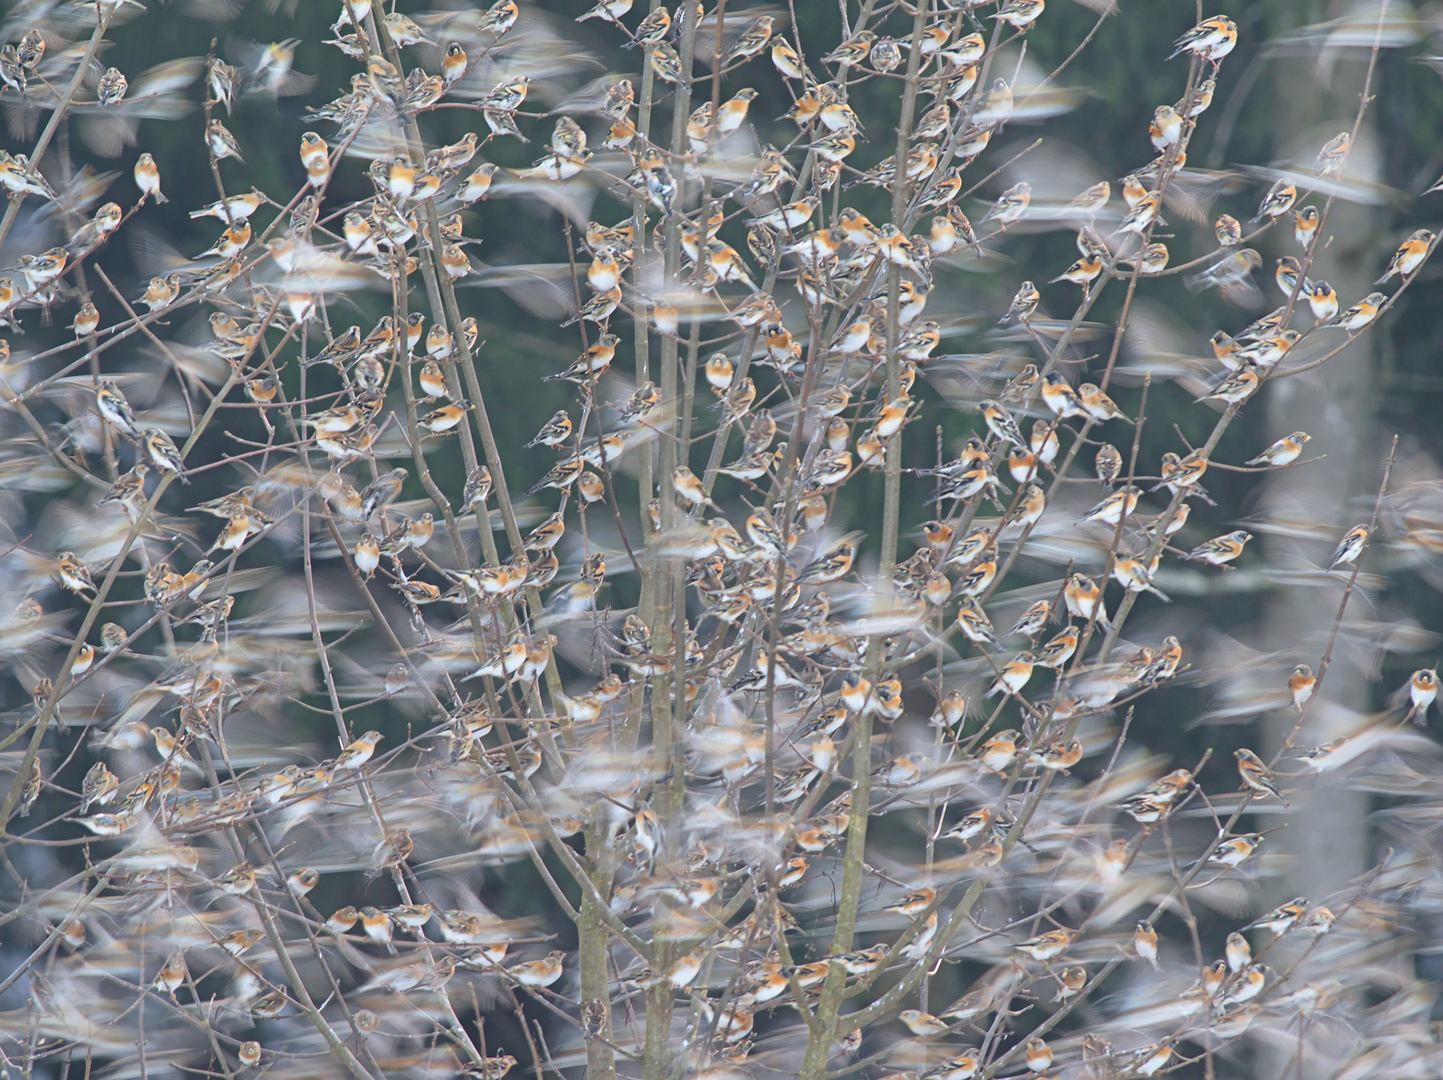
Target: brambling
[[1030, 504], [1108, 465], [221, 142], [1048, 946], [1023, 306], [912, 904], [1220, 550], [1058, 756], [1153, 259], [1237, 387], [983, 572], [1236, 850], [110, 90], [1150, 1060], [995, 107], [1060, 398], [1010, 205], [970, 825], [477, 489], [358, 752], [1166, 127], [1256, 776], [112, 405], [1317, 922], [73, 574], [1202, 99], [752, 41], [477, 185], [86, 321], [1422, 692], [1278, 201], [1019, 14], [1238, 953], [554, 432], [1014, 676], [1282, 918], [230, 244], [542, 972], [161, 292], [381, 492], [172, 973], [1323, 301], [1334, 154], [1059, 648], [561, 476], [1084, 600], [1133, 576], [233, 534], [1360, 314], [1043, 441], [1090, 200], [1288, 274], [1112, 510], [163, 453], [1212, 39], [1097, 405], [1038, 1054], [885, 55], [1000, 423], [975, 625], [593, 363], [852, 51], [236, 208], [1351, 546], [1409, 256], [1138, 219], [404, 31], [997, 752], [1144, 942], [1228, 231], [367, 555], [1305, 226], [1134, 191], [651, 30], [1301, 682], [30, 50], [1021, 464], [1083, 272], [786, 60]]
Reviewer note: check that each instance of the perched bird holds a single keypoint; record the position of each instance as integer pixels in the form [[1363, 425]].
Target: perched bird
[[1282, 918], [1409, 256], [1023, 306], [1283, 452], [1010, 205], [1359, 315], [1144, 942], [1212, 39], [1422, 692], [111, 87], [1350, 548], [1256, 776], [221, 142], [163, 453], [1278, 201], [1221, 550], [1301, 684]]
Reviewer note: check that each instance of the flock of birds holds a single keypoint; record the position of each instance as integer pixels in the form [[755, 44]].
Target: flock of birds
[[700, 799]]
